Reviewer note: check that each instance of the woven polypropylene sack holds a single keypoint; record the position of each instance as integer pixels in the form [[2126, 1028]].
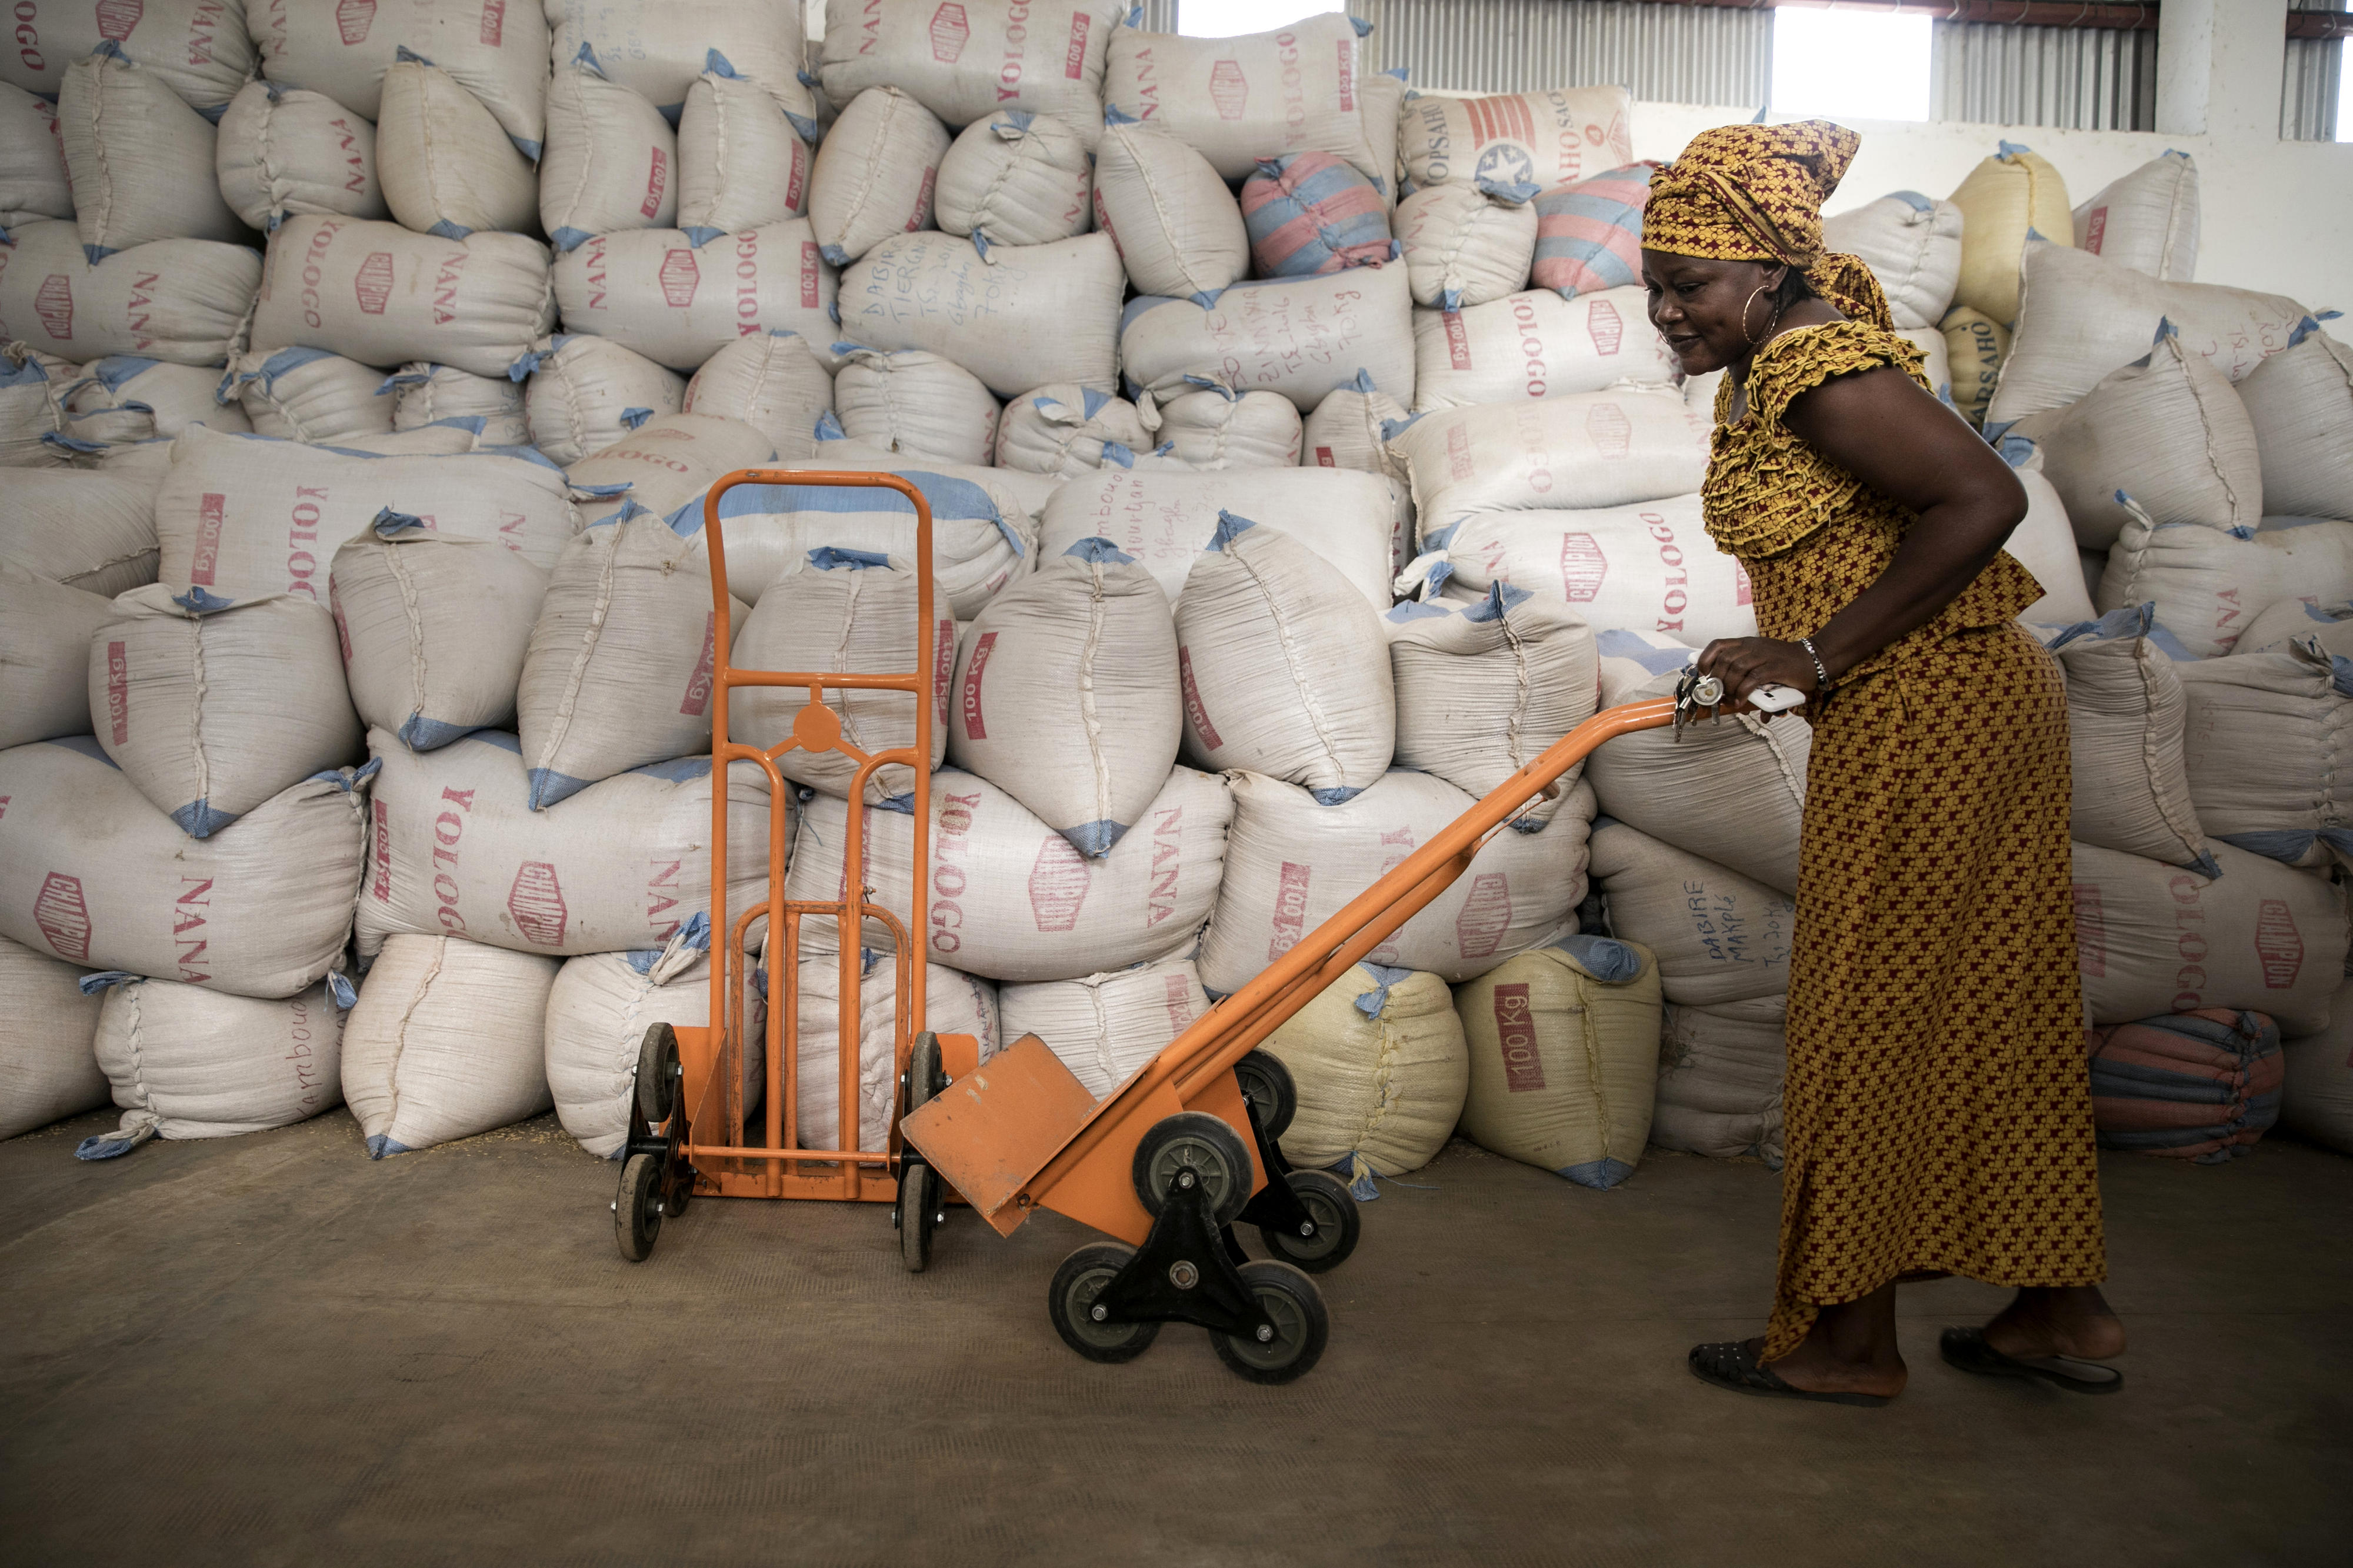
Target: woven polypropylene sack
[[139, 159], [311, 395], [1344, 431], [2126, 711], [1719, 937], [1911, 243], [1067, 695], [953, 1004], [1582, 450], [445, 161], [1590, 232], [598, 1012], [1012, 900], [581, 394], [434, 630], [2300, 405], [2044, 543], [448, 1040], [612, 160], [664, 463], [1016, 178], [1545, 139], [187, 1060], [1650, 568], [915, 404], [877, 173], [284, 149], [772, 380], [1467, 244], [1105, 1026], [123, 399], [199, 47], [92, 532], [2148, 220], [1237, 100], [212, 706], [1312, 211], [1303, 337], [1214, 426], [454, 848], [2330, 625], [378, 293], [1378, 1062], [35, 388], [967, 59], [2009, 197], [45, 632], [1564, 1054], [2260, 745], [181, 300], [498, 53], [657, 48], [655, 291], [741, 159], [1535, 344], [47, 1068], [423, 395], [1976, 345], [1069, 430], [1178, 229], [1019, 316], [2202, 1086], [32, 185], [2207, 583], [92, 873], [1720, 1071], [1293, 864]]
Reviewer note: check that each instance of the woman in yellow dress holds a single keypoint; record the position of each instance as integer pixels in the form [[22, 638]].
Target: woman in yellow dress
[[1938, 1119]]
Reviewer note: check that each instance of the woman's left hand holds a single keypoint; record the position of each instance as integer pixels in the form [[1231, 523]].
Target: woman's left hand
[[1743, 664]]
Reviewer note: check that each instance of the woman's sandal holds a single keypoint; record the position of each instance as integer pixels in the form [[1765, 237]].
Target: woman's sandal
[[1735, 1366], [1966, 1349]]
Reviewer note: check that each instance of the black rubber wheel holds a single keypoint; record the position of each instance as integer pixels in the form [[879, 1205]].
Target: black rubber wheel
[[637, 1212], [919, 1202], [1291, 1300], [1202, 1143], [925, 1075], [1070, 1302], [1266, 1084], [658, 1074], [1332, 1207]]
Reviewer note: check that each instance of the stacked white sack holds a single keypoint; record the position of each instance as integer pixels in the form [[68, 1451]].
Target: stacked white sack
[[499, 56], [198, 47], [446, 1040], [424, 394], [2126, 715], [2148, 220], [977, 59], [96, 874], [1178, 230], [1012, 900], [2285, 620], [659, 50], [33, 183], [1016, 178], [1215, 427], [1067, 430], [121, 400], [1651, 567], [2207, 584], [92, 532], [1546, 139], [181, 300], [877, 173], [1378, 1061], [1292, 863], [139, 159], [1235, 101], [1105, 1026], [2045, 544], [1535, 344], [185, 1060], [454, 849], [953, 1004], [1303, 337], [1019, 317], [35, 388], [678, 301], [845, 612], [612, 160], [380, 294], [581, 394], [663, 465], [45, 632], [598, 1015], [1346, 430], [434, 629], [2300, 403], [1911, 243], [47, 1068], [1581, 450], [285, 150], [772, 380], [2260, 747], [447, 166], [915, 405], [309, 395], [1076, 666], [1467, 244]]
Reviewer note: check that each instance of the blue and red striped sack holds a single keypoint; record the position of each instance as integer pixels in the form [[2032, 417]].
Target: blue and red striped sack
[[1590, 235], [2200, 1086], [1310, 213]]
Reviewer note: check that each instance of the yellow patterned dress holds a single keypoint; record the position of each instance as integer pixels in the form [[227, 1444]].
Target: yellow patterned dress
[[1936, 1107]]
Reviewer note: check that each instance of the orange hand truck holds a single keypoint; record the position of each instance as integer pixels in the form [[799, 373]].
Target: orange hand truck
[[688, 1133]]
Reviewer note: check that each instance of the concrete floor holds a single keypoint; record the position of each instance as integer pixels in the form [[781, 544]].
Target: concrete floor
[[268, 1350]]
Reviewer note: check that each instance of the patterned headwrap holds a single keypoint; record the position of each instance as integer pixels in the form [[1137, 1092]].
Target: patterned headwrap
[[1755, 192]]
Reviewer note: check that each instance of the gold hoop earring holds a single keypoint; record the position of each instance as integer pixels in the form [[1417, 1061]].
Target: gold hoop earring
[[1771, 321]]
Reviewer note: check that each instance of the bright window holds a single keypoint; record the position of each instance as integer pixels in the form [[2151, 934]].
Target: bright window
[[1226, 18], [1850, 64]]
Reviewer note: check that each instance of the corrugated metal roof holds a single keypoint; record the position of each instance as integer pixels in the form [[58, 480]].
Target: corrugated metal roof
[[2078, 78], [2310, 78], [1672, 54]]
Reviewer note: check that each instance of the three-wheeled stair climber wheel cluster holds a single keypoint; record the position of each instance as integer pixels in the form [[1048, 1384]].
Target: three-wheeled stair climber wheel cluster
[[656, 1180]]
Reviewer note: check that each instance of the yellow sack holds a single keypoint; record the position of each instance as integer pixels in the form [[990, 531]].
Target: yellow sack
[[2011, 193], [1377, 1060], [1975, 346]]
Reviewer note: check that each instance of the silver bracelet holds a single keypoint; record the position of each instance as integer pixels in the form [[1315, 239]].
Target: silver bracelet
[[1821, 676]]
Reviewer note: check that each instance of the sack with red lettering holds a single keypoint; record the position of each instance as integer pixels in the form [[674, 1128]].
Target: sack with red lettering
[[187, 1060], [1167, 520], [619, 670], [240, 515], [1068, 429], [378, 293], [197, 47], [1732, 792], [953, 1004], [45, 631], [917, 404], [181, 300], [658, 47], [877, 173], [1344, 431], [1293, 864], [2146, 220], [1720, 1071], [446, 165], [1179, 231], [2152, 938], [47, 1070], [309, 395], [1583, 450], [92, 872], [92, 532], [1285, 670], [1377, 1062], [1543, 139], [1105, 1026], [1467, 244], [598, 1013], [585, 395], [1648, 568], [1016, 178], [1483, 688], [653, 290], [2208, 585], [1235, 101], [1011, 898], [447, 1040], [612, 160], [742, 159], [32, 183], [967, 59], [1536, 345], [211, 706], [455, 848], [1720, 938], [981, 536], [665, 463], [1303, 337], [284, 149], [771, 381], [1213, 426], [139, 159], [423, 395], [845, 612], [1066, 694], [1019, 317], [2260, 746], [434, 630], [496, 50]]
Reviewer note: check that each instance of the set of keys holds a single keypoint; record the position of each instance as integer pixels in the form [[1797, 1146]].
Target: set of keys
[[1696, 691]]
